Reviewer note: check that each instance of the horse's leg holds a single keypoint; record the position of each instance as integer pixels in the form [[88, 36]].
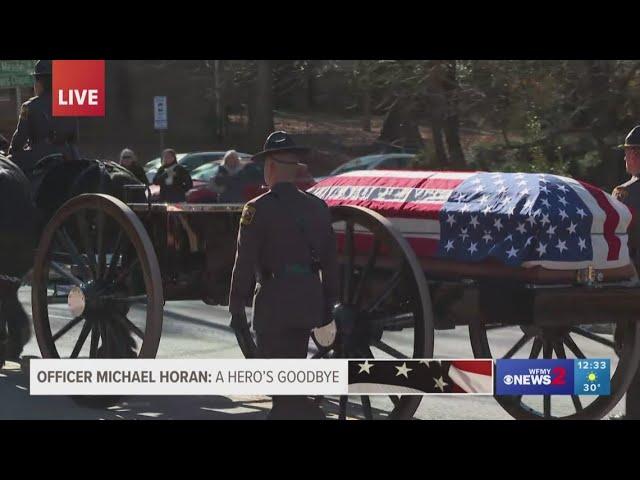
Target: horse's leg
[[18, 327]]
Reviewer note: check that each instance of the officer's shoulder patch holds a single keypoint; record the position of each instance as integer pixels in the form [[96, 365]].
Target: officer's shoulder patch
[[621, 193], [248, 212]]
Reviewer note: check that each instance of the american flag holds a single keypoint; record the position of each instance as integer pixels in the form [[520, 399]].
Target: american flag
[[519, 219], [420, 377]]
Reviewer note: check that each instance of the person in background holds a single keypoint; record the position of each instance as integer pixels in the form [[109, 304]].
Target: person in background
[[223, 182], [173, 178], [129, 160]]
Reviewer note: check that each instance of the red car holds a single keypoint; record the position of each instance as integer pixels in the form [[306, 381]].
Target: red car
[[249, 180]]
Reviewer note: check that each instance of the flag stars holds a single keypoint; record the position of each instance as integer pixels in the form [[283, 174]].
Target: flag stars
[[545, 220], [509, 237], [498, 224], [572, 228], [474, 221], [473, 248], [542, 249], [563, 214], [551, 230], [546, 203], [487, 210], [562, 245], [440, 383], [563, 201], [582, 243], [487, 236], [449, 245], [581, 212], [512, 252], [451, 220], [403, 370], [562, 188], [464, 234], [521, 228], [365, 367]]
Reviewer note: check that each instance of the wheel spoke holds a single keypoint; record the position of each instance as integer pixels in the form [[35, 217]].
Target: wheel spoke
[[371, 261], [86, 328], [568, 341], [100, 243], [67, 327], [83, 231], [115, 255], [547, 406], [126, 272], [130, 325], [535, 349], [366, 407], [388, 349], [577, 403], [95, 337], [386, 291], [519, 344], [349, 256], [592, 336], [68, 275], [342, 415], [66, 242]]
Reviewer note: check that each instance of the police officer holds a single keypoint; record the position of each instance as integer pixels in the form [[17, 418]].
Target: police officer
[[286, 244], [38, 133], [629, 194]]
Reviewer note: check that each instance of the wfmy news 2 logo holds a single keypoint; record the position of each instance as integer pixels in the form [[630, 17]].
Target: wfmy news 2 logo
[[78, 88], [553, 377]]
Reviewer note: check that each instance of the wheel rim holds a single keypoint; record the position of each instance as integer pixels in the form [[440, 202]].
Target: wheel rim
[[97, 289], [382, 289], [489, 341]]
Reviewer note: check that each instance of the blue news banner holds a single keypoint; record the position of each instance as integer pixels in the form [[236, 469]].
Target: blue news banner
[[553, 377]]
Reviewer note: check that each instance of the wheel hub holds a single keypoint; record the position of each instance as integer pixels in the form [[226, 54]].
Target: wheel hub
[[77, 301]]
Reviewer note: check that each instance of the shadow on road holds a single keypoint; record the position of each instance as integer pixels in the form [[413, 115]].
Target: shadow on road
[[17, 404]]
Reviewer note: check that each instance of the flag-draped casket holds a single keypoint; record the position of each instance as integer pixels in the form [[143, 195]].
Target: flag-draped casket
[[495, 222]]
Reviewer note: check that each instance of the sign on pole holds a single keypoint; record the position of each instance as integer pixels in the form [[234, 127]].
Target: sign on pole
[[160, 113]]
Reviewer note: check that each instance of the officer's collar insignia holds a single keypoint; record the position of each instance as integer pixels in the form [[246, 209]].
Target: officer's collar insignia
[[620, 193], [247, 214]]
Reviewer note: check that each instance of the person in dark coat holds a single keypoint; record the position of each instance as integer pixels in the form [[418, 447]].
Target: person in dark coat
[[39, 133], [129, 160], [286, 245], [629, 194], [225, 183], [173, 178]]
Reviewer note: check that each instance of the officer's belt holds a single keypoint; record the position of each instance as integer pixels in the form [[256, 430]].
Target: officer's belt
[[289, 270]]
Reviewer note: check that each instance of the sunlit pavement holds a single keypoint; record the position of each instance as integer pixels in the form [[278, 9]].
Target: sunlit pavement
[[192, 329]]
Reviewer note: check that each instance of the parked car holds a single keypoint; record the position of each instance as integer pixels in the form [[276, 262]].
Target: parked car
[[385, 161], [250, 181], [190, 161]]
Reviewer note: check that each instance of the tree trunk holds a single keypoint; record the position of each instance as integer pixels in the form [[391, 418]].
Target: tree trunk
[[438, 142], [366, 109], [261, 104], [451, 122], [399, 127], [218, 100], [310, 77]]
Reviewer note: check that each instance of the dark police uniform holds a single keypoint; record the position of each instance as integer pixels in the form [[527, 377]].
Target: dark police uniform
[[629, 194], [286, 245], [38, 133]]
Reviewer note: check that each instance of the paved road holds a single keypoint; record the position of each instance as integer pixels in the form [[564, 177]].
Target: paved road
[[195, 330]]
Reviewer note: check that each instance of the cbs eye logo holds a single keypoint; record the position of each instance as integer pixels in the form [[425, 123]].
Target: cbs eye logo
[[78, 88]]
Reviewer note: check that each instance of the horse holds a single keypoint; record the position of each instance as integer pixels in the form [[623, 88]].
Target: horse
[[27, 202]]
